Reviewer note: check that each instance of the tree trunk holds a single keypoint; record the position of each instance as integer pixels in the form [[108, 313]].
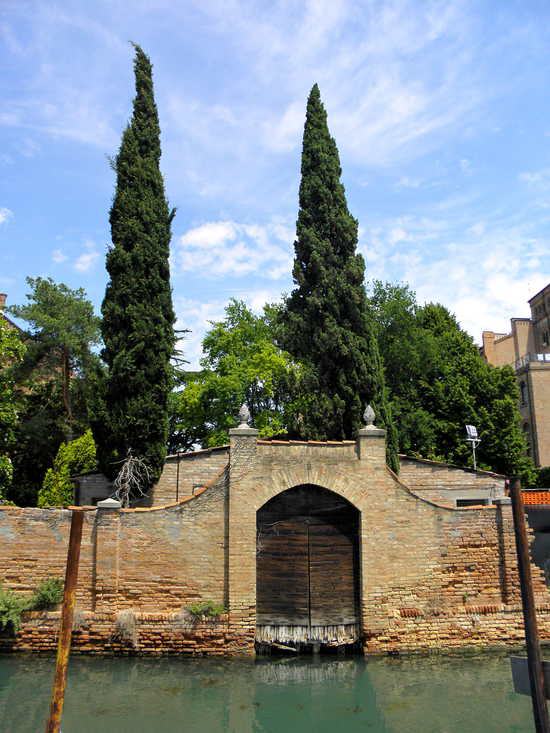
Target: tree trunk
[[67, 392]]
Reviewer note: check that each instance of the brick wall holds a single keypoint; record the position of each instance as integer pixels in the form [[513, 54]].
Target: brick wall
[[95, 633], [444, 482], [184, 474], [431, 575], [181, 476], [145, 559]]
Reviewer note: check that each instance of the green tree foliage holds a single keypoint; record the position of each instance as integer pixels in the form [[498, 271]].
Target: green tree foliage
[[326, 323], [439, 383], [11, 353], [72, 459], [40, 430], [63, 332], [241, 363], [138, 317]]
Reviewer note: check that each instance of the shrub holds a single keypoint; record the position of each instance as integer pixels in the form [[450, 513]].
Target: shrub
[[48, 594], [12, 606], [206, 608], [72, 458], [6, 476]]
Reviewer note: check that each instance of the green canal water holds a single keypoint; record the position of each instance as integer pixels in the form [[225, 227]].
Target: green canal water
[[325, 695]]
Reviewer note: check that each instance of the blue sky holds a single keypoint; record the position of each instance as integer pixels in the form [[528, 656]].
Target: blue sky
[[440, 111]]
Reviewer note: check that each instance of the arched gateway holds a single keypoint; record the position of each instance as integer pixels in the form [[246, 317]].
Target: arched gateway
[[308, 568]]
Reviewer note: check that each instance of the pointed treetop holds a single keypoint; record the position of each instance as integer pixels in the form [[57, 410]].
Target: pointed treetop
[[144, 127], [315, 92]]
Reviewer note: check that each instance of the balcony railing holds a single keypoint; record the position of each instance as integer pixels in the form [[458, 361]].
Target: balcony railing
[[524, 360]]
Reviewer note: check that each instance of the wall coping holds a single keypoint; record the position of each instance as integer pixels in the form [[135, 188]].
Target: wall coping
[[200, 451], [306, 442]]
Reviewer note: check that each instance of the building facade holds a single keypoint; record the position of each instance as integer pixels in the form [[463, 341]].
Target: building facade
[[526, 348]]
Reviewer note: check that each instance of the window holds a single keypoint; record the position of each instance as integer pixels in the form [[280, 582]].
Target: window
[[523, 392], [545, 338], [482, 500]]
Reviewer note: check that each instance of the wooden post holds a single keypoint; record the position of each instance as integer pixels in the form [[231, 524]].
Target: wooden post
[[66, 626], [534, 659]]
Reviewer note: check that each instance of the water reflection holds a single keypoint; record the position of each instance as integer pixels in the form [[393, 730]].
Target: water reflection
[[340, 695]]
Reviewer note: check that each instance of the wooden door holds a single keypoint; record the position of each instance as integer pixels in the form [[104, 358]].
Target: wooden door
[[333, 572], [307, 563], [282, 595]]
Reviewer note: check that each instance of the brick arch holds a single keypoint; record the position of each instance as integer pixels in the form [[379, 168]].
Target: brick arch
[[327, 477], [312, 485]]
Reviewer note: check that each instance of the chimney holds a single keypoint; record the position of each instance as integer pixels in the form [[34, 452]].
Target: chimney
[[3, 297], [488, 349]]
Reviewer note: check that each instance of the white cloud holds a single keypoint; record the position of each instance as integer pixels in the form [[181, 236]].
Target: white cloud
[[484, 272], [228, 248], [85, 261], [477, 229], [406, 182], [283, 133], [58, 256], [210, 234], [197, 316], [5, 214], [397, 234], [536, 178]]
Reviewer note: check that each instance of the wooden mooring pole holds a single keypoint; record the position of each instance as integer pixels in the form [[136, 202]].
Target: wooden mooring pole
[[534, 658], [66, 627]]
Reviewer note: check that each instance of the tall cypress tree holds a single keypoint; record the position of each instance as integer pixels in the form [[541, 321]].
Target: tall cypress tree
[[327, 324], [138, 316]]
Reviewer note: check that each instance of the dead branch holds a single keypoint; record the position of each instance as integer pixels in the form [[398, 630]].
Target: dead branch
[[133, 479]]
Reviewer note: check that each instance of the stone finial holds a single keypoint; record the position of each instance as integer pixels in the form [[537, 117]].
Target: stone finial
[[244, 415], [371, 440], [369, 416], [109, 503]]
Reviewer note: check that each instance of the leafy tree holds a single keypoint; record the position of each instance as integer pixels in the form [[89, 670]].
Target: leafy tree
[[76, 457], [63, 332], [439, 383], [40, 430], [241, 363], [138, 317], [326, 323], [11, 353]]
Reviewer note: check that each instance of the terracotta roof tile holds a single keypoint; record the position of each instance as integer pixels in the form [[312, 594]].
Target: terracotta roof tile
[[536, 497]]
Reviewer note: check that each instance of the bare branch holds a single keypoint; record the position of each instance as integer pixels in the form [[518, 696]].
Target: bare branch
[[132, 480]]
